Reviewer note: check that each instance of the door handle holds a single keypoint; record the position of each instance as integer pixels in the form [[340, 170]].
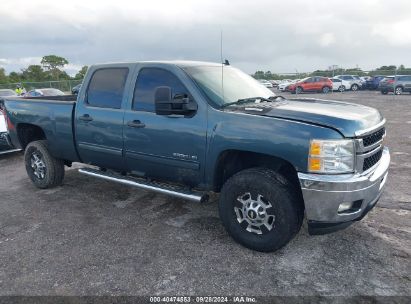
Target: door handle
[[136, 124], [86, 117]]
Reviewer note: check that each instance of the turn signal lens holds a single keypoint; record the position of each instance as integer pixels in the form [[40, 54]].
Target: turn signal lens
[[314, 164], [331, 156]]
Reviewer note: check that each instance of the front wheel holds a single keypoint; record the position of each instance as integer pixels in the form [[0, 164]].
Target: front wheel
[[384, 92], [260, 209], [298, 90], [398, 90], [341, 88], [44, 170], [354, 87]]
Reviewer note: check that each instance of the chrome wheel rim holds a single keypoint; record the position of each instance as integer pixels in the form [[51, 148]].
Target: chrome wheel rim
[[37, 165], [341, 88], [354, 87], [252, 213], [398, 91], [325, 90]]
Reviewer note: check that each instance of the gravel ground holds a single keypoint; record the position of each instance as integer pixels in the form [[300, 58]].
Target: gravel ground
[[91, 237]]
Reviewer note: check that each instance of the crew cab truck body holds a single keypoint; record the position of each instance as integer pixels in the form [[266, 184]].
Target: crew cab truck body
[[177, 128]]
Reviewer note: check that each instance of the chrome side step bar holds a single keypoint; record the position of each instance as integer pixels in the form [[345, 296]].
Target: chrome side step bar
[[9, 151], [146, 185]]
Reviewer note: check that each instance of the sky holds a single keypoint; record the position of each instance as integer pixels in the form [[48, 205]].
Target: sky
[[284, 36]]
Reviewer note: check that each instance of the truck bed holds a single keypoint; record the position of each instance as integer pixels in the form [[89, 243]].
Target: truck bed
[[53, 114]]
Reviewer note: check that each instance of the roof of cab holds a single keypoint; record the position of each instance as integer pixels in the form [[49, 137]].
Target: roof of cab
[[179, 63]]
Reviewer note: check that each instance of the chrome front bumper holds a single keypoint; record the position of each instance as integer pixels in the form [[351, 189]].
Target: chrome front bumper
[[323, 194]]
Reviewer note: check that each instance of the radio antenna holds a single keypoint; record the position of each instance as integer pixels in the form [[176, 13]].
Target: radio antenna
[[222, 63]]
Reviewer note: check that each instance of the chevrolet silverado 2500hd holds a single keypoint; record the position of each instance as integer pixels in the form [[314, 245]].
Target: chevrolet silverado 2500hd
[[177, 128]]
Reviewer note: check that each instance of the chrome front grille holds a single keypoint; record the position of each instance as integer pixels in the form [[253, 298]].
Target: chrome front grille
[[369, 149], [373, 138], [372, 160]]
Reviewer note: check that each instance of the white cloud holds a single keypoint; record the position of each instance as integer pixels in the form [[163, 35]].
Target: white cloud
[[327, 39], [272, 35]]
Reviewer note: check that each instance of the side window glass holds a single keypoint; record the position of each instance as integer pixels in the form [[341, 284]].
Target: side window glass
[[106, 88], [148, 80]]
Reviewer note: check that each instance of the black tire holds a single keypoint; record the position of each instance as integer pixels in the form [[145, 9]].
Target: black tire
[[298, 90], [354, 87], [53, 173], [341, 88], [398, 91], [285, 204], [325, 90], [384, 92]]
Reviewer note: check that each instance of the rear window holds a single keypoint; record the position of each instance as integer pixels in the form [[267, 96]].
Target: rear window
[[106, 88]]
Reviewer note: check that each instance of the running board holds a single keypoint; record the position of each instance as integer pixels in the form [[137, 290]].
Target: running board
[[146, 185], [9, 151]]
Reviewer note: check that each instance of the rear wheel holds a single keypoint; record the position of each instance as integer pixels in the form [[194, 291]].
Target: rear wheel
[[260, 209], [325, 90], [398, 90], [298, 90], [354, 87], [44, 170], [384, 92]]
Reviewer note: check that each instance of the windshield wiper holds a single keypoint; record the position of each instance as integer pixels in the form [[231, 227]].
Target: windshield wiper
[[250, 99]]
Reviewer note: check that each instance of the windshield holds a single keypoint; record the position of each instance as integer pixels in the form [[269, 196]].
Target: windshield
[[237, 84]]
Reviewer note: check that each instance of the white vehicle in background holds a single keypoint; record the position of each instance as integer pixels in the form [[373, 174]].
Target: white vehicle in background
[[265, 83], [5, 143], [354, 80], [283, 86], [340, 85]]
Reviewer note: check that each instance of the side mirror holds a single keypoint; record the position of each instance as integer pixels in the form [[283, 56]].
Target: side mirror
[[180, 104]]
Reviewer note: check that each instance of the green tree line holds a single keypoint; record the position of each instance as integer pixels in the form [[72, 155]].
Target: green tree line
[[49, 69]]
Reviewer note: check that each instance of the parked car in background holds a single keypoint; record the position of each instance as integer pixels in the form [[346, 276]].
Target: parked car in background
[[340, 85], [311, 84], [7, 93], [275, 83], [44, 92], [5, 142], [373, 82], [265, 83], [355, 81], [284, 84], [397, 84], [76, 89]]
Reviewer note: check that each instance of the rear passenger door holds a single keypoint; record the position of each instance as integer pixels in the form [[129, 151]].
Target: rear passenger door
[[309, 84], [318, 84], [99, 118]]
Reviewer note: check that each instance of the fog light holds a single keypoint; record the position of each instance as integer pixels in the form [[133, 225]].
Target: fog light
[[344, 206]]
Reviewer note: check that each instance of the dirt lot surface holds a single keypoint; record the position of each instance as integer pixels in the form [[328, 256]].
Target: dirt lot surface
[[91, 237]]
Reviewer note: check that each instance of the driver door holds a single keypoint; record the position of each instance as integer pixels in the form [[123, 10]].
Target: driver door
[[170, 147]]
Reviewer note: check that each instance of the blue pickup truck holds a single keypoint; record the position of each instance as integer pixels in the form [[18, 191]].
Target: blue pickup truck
[[190, 128]]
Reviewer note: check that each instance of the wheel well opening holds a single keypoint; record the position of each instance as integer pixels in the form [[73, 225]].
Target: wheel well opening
[[28, 133], [230, 162]]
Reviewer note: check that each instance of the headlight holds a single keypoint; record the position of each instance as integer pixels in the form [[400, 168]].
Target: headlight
[[331, 156]]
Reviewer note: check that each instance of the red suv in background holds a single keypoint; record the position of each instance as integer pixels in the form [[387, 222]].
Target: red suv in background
[[311, 84]]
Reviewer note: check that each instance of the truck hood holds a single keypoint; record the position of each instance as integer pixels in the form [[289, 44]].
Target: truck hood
[[347, 118]]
